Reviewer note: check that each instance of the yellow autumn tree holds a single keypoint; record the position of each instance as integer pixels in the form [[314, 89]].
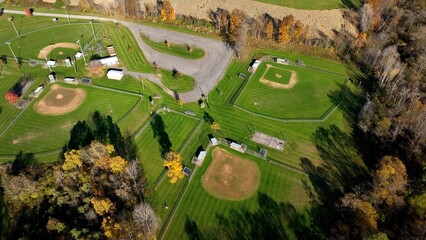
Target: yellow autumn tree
[[173, 162], [72, 160], [269, 30], [215, 126], [297, 31], [167, 11], [236, 22], [101, 205], [284, 29], [111, 228], [117, 164]]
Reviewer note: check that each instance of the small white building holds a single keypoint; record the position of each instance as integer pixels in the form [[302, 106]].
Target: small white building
[[238, 147], [282, 61], [78, 55], [200, 159], [52, 78], [109, 61], [254, 66], [51, 63], [70, 80], [214, 141], [68, 63], [116, 74], [38, 91]]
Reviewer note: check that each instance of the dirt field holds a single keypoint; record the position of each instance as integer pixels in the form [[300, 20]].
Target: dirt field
[[322, 20], [292, 82], [230, 177], [60, 101], [46, 50]]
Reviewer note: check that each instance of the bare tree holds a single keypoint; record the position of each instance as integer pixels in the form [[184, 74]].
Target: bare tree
[[145, 218]]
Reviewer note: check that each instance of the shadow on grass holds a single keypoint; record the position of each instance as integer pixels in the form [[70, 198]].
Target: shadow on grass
[[341, 170], [272, 220], [160, 133]]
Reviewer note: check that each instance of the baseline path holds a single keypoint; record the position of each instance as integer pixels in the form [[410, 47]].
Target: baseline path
[[206, 71]]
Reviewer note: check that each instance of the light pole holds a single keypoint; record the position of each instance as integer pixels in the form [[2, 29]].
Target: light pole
[[82, 52], [8, 44], [93, 30], [45, 57], [13, 24], [68, 17]]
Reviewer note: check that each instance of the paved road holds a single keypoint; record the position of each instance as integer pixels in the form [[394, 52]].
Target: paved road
[[206, 71]]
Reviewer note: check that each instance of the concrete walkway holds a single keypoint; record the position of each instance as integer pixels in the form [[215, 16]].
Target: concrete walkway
[[206, 71]]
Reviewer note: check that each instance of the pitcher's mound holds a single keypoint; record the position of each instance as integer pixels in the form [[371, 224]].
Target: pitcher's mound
[[230, 177], [60, 100]]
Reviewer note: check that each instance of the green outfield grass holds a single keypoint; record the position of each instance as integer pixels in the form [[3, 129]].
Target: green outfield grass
[[180, 50], [308, 98], [37, 133], [278, 75], [278, 183], [178, 127], [315, 5]]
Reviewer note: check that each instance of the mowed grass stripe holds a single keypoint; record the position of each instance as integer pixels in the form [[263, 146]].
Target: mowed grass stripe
[[178, 127], [127, 48]]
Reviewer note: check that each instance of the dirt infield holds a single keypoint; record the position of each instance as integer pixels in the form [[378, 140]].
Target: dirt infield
[[60, 100], [292, 82], [230, 177], [46, 50]]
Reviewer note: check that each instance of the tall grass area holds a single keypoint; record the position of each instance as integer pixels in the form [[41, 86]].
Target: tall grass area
[[38, 133], [199, 206], [315, 5], [180, 50]]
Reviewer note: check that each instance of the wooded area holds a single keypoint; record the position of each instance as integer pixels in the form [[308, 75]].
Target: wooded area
[[94, 192]]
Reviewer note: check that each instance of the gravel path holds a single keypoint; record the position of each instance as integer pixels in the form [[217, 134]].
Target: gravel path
[[206, 71]]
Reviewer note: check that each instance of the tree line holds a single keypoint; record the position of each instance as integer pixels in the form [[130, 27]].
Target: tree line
[[389, 129]]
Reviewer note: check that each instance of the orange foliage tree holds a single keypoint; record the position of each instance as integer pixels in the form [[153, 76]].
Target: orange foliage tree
[[11, 97], [167, 11], [284, 29]]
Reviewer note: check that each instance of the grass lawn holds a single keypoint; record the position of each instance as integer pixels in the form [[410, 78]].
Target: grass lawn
[[180, 50], [179, 83], [315, 5], [37, 133], [178, 127], [278, 183], [308, 98]]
